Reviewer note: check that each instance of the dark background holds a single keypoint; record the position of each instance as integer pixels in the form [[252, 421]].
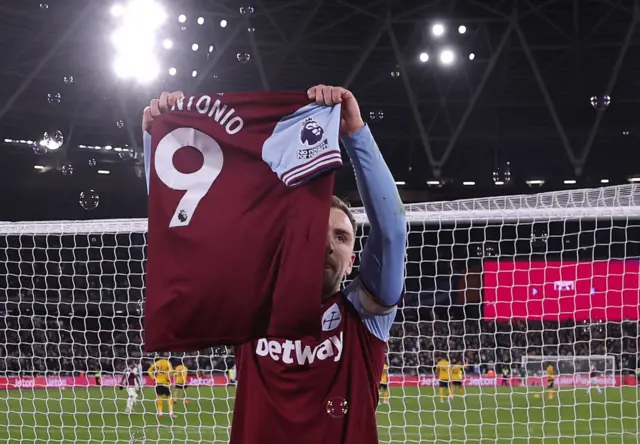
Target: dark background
[[522, 105]]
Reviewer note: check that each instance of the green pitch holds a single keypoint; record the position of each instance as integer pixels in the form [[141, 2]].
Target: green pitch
[[415, 415]]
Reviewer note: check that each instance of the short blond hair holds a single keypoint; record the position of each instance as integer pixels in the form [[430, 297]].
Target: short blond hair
[[343, 206]]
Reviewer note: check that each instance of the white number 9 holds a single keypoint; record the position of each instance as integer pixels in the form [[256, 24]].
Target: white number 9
[[196, 184]]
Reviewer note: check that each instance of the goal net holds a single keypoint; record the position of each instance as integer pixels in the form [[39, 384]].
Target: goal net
[[570, 366], [492, 285]]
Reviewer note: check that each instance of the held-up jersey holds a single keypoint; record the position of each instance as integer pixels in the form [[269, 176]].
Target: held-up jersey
[[236, 227]]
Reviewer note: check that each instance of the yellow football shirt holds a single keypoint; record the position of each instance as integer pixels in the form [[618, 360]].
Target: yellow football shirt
[[385, 375], [550, 373], [161, 371], [181, 372], [442, 368], [456, 372]]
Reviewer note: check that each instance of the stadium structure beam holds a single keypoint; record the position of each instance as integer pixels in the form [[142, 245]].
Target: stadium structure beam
[[413, 103], [545, 93], [284, 38], [360, 10], [610, 86], [549, 22], [339, 20], [258, 57], [476, 95], [364, 54], [217, 56], [54, 49], [295, 41]]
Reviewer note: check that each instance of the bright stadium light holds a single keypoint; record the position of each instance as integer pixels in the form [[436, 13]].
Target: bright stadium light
[[182, 18], [438, 29], [194, 73], [117, 11], [194, 47], [462, 29], [200, 20], [468, 183], [135, 40], [569, 182], [604, 181], [223, 23], [447, 57], [472, 56], [172, 71], [144, 14], [424, 57]]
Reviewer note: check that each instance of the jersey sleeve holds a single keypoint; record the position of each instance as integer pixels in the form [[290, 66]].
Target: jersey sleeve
[[304, 144], [378, 325]]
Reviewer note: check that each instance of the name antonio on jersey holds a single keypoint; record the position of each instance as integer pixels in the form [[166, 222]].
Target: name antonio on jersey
[[215, 109], [295, 352]]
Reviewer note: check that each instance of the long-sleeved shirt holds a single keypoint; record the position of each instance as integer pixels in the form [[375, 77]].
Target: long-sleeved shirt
[[382, 262]]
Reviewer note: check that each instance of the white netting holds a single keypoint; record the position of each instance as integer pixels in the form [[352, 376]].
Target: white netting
[[72, 304], [580, 366]]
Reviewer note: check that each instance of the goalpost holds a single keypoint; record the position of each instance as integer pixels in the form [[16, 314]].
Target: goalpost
[[495, 284]]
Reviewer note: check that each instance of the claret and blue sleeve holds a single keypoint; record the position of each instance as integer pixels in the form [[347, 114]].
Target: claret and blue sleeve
[[382, 262]]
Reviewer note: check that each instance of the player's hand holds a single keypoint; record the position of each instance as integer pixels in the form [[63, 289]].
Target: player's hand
[[350, 118], [158, 107]]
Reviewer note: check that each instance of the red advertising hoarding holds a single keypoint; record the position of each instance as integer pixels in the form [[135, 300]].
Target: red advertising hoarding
[[64, 382], [547, 290]]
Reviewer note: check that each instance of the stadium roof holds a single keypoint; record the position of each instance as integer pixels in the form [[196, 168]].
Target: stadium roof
[[523, 103]]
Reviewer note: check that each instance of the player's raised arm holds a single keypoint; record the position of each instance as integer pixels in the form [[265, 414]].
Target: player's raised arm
[[382, 261]]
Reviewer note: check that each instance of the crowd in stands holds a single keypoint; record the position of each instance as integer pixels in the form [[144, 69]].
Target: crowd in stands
[[65, 346]]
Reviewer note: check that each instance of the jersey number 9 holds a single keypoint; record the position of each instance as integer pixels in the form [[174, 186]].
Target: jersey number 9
[[197, 184]]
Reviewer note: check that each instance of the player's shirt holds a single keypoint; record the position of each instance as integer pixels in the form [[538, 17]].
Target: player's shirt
[[442, 369], [238, 203], [593, 374], [131, 377], [181, 372], [456, 372], [314, 391], [550, 374], [161, 371], [385, 375]]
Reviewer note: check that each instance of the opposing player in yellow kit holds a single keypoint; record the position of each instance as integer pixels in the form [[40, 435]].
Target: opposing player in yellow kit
[[457, 378], [550, 381], [443, 372], [180, 372], [384, 385], [160, 371]]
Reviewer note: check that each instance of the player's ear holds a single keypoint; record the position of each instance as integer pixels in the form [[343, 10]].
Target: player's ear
[[350, 266]]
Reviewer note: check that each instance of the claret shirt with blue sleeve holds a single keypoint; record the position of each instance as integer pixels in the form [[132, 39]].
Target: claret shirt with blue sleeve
[[325, 390], [240, 186]]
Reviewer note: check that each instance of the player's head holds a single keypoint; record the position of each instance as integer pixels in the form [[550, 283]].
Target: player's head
[[341, 237]]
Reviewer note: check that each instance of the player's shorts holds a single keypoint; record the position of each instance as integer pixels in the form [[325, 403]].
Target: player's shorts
[[163, 390], [550, 384], [132, 391], [444, 384], [181, 386], [594, 381], [383, 386], [456, 383]]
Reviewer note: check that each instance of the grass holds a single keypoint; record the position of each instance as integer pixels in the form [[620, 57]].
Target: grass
[[415, 415]]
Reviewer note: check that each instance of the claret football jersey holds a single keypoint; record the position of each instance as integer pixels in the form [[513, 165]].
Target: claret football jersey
[[240, 187], [314, 391]]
